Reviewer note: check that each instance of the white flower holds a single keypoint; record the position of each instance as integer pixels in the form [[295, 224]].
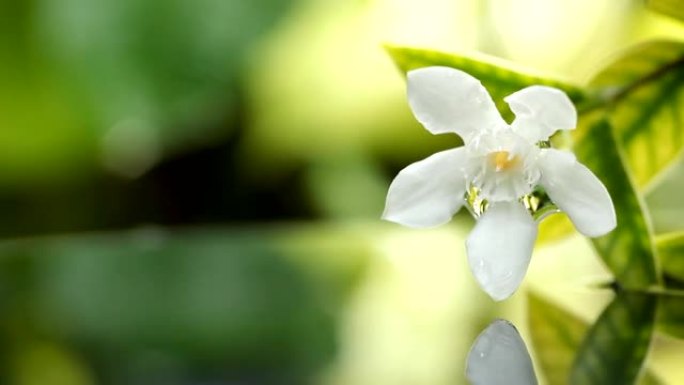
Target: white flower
[[499, 357], [501, 161]]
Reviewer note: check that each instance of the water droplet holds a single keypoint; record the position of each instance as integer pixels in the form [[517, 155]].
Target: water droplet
[[537, 202], [475, 204]]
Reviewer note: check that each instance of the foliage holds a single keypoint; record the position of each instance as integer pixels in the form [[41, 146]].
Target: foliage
[[624, 331], [154, 87], [220, 305], [627, 250], [670, 318], [671, 8], [610, 351], [124, 81], [556, 335], [671, 252], [499, 80], [629, 132], [643, 94]]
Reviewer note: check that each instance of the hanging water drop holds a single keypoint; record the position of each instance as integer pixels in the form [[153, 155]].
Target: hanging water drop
[[538, 203], [475, 204]]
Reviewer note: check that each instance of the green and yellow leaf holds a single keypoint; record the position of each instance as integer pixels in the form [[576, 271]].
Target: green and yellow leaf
[[498, 78], [557, 335], [672, 8], [671, 255], [644, 95], [670, 319], [628, 251], [616, 345]]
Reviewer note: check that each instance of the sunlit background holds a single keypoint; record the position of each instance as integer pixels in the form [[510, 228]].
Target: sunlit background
[[191, 190]]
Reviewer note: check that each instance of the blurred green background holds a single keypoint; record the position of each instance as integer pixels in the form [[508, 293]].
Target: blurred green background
[[191, 190]]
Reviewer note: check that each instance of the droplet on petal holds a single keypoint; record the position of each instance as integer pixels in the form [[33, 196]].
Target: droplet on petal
[[499, 248], [475, 204]]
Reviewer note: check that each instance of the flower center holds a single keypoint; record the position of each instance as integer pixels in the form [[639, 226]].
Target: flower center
[[503, 161]]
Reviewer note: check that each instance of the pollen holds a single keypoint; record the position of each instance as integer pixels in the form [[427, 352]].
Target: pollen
[[503, 161]]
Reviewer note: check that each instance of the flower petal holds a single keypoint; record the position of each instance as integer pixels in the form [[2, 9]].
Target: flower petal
[[540, 111], [578, 192], [500, 246], [499, 357], [445, 100], [429, 192]]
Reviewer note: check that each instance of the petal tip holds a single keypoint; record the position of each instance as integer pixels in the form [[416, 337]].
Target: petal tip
[[542, 110], [496, 287], [388, 216], [601, 231], [447, 100], [400, 219], [498, 297]]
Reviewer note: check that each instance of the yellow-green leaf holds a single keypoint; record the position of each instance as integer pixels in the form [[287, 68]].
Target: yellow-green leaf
[[671, 8], [615, 347], [644, 93], [499, 79], [670, 319], [627, 250], [556, 337], [554, 227], [671, 255]]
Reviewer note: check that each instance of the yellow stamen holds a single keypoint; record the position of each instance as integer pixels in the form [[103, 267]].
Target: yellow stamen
[[502, 160]]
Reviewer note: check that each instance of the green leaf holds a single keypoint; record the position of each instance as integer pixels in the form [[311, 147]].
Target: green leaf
[[615, 347], [149, 88], [499, 79], [644, 96], [649, 379], [670, 319], [671, 8], [237, 300], [347, 186], [555, 227], [556, 334], [641, 95], [671, 255], [627, 250], [556, 337]]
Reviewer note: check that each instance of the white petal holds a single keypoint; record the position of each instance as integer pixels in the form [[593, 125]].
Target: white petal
[[578, 192], [445, 100], [428, 192], [540, 111], [500, 246], [499, 357]]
